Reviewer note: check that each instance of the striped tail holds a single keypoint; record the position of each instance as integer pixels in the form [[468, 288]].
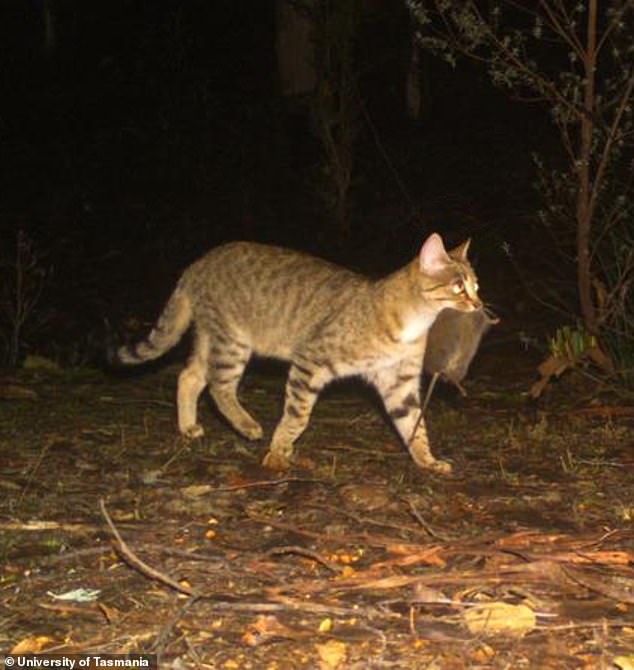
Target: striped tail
[[170, 327]]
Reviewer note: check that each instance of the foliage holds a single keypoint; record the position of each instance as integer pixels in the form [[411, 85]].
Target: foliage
[[577, 58], [615, 254], [570, 347], [23, 277], [571, 343]]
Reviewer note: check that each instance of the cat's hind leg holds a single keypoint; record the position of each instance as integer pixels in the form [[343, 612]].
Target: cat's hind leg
[[191, 381], [302, 388], [225, 369]]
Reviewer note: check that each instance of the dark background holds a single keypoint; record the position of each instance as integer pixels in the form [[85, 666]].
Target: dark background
[[155, 130]]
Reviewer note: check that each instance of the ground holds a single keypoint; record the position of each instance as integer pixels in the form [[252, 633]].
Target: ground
[[357, 559]]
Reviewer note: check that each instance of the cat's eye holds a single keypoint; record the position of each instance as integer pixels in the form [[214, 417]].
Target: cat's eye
[[458, 287]]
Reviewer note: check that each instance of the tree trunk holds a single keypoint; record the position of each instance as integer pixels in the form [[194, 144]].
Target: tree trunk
[[295, 50], [413, 84], [585, 208]]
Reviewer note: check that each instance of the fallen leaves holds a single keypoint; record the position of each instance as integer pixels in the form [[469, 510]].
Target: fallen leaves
[[332, 654], [264, 629], [499, 618], [32, 644]]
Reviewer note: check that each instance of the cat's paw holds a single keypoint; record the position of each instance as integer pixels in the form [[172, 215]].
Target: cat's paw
[[441, 467], [193, 432], [276, 461], [429, 463], [252, 431]]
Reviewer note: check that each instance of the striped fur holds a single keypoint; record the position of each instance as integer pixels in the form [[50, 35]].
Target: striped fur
[[244, 298]]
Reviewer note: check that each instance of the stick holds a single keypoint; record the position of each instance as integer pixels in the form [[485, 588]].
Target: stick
[[301, 551], [134, 561]]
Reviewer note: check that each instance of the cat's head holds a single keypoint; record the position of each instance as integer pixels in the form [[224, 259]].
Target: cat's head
[[449, 277]]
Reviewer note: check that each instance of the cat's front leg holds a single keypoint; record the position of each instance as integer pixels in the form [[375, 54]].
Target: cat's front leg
[[420, 450], [399, 389]]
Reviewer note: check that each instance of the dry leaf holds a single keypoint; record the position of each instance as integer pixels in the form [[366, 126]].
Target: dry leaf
[[426, 594], [263, 629], [196, 490], [111, 614], [624, 662], [31, 645], [483, 654], [325, 625], [553, 366], [412, 555], [331, 654], [392, 582], [399, 549], [500, 618]]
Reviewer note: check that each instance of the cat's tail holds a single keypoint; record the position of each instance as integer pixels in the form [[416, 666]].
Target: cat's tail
[[168, 330]]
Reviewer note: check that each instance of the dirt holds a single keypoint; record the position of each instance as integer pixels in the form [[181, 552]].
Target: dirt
[[353, 559]]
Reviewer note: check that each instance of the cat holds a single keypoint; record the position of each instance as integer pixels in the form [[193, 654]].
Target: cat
[[452, 342], [244, 298]]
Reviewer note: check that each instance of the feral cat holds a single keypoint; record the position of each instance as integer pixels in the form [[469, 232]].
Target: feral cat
[[244, 298], [452, 342]]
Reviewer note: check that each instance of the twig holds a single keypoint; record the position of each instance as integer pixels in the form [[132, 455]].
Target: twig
[[596, 462], [77, 553], [267, 482], [44, 526], [363, 450], [193, 652], [295, 605], [136, 401], [161, 639], [358, 518], [426, 527], [40, 458], [350, 538], [301, 551], [134, 561], [611, 587]]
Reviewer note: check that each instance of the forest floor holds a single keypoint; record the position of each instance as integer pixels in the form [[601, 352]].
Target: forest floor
[[118, 536]]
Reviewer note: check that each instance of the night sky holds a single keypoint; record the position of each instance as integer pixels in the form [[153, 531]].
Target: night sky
[[136, 135]]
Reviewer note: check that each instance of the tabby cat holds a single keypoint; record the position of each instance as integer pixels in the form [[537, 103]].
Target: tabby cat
[[244, 298]]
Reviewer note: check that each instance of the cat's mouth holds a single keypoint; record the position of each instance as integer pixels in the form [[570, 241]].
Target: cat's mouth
[[474, 304], [468, 304]]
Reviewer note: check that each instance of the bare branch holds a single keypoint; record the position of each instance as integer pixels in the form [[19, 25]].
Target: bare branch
[[557, 25], [612, 137]]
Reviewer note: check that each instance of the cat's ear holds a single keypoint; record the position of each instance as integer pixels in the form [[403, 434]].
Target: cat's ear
[[433, 256], [460, 252]]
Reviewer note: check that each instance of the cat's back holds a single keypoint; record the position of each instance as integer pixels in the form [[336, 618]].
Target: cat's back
[[266, 266], [269, 292]]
